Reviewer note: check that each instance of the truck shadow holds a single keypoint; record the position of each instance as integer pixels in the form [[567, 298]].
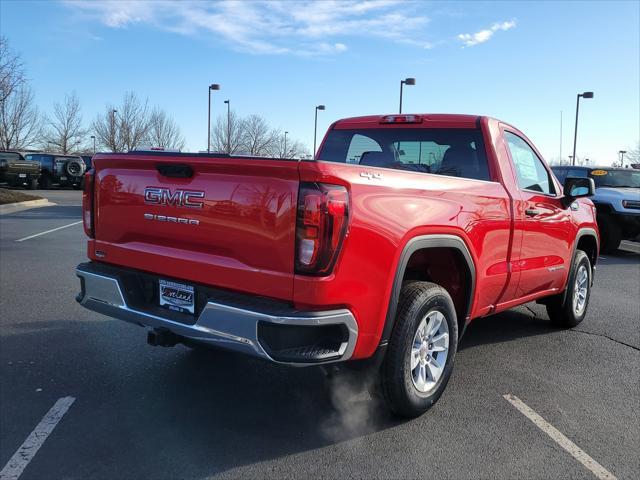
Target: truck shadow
[[176, 413], [507, 326]]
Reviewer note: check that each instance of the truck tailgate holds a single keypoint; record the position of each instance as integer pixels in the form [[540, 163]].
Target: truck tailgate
[[221, 221]]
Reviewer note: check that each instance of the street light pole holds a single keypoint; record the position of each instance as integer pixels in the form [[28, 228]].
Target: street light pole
[[213, 86], [406, 81], [315, 129], [93, 137], [622, 152], [113, 130], [285, 144], [228, 102], [575, 132]]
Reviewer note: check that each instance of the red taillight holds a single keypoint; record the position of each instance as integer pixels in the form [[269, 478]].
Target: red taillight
[[401, 119], [323, 213], [87, 204]]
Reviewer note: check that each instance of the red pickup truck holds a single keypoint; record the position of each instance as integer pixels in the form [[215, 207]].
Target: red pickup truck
[[383, 248]]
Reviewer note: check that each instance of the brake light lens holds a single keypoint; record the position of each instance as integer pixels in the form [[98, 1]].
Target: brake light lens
[[87, 204], [322, 219], [401, 119]]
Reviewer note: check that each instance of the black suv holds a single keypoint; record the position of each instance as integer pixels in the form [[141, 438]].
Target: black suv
[[18, 172], [63, 170]]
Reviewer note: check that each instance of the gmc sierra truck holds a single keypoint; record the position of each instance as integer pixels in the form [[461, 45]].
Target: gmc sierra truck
[[378, 252]]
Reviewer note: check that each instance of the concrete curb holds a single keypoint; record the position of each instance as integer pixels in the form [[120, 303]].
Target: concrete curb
[[19, 206]]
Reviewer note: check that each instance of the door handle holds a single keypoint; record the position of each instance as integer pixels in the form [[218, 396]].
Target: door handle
[[531, 212]]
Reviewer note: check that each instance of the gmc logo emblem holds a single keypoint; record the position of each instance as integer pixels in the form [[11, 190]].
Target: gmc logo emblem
[[179, 198]]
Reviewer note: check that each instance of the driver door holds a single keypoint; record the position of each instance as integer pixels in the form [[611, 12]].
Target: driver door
[[547, 230]]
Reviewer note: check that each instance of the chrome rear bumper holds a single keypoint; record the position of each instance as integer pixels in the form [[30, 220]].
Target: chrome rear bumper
[[227, 326]]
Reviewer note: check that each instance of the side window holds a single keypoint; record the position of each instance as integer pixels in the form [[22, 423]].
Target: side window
[[531, 173]]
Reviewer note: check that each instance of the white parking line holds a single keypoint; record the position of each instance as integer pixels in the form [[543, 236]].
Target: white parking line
[[48, 231], [576, 452], [16, 464]]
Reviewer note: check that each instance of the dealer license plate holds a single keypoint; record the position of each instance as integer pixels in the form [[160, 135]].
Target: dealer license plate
[[178, 297]]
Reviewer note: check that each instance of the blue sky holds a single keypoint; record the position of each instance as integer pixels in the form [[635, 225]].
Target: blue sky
[[522, 62]]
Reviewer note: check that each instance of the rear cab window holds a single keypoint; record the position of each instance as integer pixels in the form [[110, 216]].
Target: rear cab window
[[442, 151]]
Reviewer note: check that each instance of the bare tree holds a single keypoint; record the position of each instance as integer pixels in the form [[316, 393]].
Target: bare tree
[[11, 70], [19, 118], [106, 130], [258, 138], [163, 131], [227, 133], [64, 131], [287, 148], [124, 127], [633, 155]]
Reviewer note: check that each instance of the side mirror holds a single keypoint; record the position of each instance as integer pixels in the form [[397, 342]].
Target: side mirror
[[578, 187]]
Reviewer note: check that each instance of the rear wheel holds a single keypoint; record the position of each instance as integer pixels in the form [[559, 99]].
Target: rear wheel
[[569, 310], [420, 355]]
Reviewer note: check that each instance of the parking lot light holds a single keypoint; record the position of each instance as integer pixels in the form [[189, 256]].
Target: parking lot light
[[315, 128], [213, 86], [575, 133], [622, 152], [406, 81], [228, 102]]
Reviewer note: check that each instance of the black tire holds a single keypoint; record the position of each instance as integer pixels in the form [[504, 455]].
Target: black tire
[[33, 184], [562, 309], [45, 182], [74, 168], [417, 301], [610, 233]]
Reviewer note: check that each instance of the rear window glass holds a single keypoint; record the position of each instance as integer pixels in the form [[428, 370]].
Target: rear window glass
[[453, 152]]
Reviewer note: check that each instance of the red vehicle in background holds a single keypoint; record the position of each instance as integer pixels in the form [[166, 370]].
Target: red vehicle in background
[[403, 230]]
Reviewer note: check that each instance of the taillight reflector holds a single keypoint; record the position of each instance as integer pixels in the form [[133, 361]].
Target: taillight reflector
[[323, 212], [87, 204]]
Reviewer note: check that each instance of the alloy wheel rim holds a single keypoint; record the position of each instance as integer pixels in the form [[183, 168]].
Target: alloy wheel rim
[[580, 290], [429, 351]]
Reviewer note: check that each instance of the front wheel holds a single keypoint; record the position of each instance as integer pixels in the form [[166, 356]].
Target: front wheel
[[569, 310], [420, 355]]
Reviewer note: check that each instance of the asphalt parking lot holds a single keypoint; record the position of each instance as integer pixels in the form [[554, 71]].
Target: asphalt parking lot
[[145, 412]]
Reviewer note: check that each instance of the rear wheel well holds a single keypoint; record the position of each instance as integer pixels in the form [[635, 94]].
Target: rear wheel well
[[448, 268]]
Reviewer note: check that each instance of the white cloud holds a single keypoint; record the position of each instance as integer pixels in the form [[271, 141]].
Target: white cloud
[[301, 27], [471, 39]]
